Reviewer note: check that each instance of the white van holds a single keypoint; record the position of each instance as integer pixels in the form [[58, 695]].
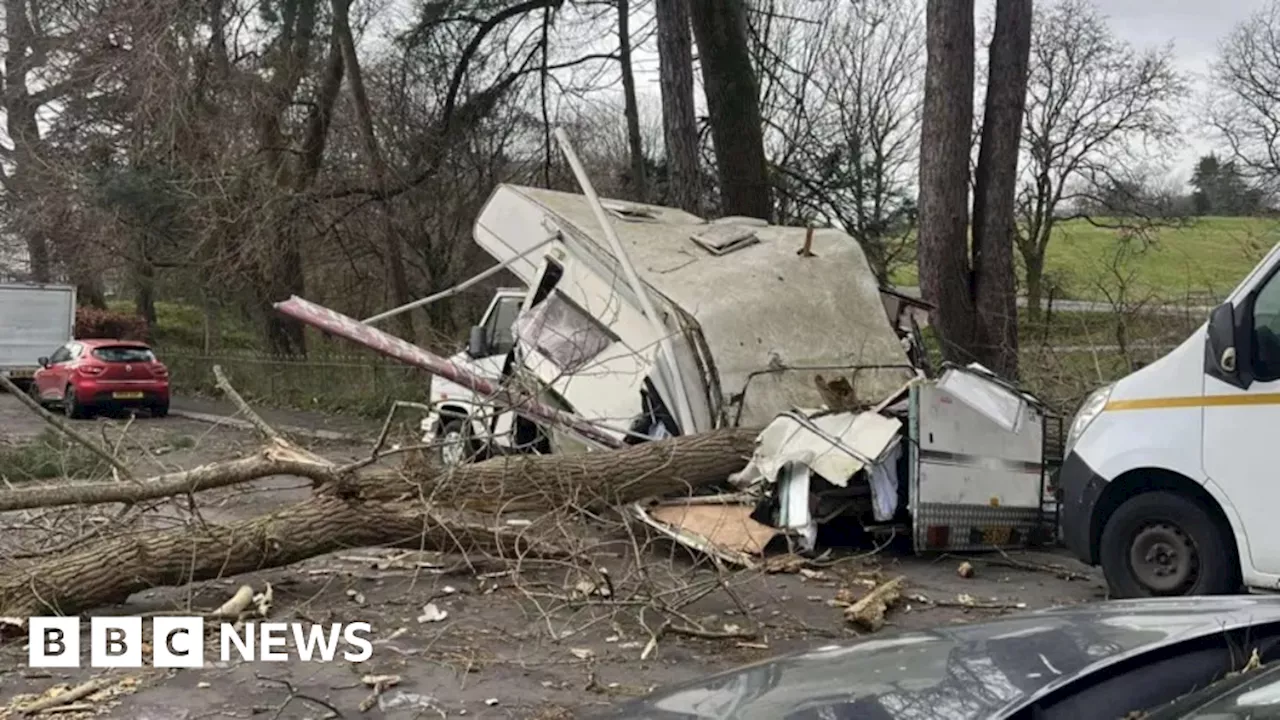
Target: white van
[[1170, 482]]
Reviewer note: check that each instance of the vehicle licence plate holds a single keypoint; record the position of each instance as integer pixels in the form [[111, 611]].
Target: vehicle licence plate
[[127, 395]]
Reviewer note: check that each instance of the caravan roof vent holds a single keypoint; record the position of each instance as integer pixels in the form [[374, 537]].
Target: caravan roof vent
[[629, 211], [724, 239], [741, 220]]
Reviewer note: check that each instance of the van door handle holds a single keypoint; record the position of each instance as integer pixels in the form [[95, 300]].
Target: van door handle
[[1228, 361]]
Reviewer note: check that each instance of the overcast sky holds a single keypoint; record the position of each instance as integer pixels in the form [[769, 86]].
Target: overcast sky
[[1194, 27]]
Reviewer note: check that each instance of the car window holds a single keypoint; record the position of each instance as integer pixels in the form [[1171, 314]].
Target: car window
[[60, 355], [124, 354], [1266, 330]]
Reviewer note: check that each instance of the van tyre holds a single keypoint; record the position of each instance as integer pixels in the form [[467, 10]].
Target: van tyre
[[1162, 543]]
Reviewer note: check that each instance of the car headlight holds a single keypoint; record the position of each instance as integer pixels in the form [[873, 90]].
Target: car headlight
[[1088, 412]]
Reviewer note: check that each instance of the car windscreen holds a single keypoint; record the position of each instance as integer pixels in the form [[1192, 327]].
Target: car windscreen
[[124, 354]]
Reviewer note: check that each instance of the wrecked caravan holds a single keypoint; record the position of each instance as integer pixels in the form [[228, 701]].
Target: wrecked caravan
[[756, 319], [963, 462]]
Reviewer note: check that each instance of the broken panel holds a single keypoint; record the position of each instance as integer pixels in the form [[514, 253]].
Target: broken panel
[[974, 484]]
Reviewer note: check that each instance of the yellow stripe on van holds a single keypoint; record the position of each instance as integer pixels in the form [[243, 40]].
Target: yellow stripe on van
[[1194, 401]]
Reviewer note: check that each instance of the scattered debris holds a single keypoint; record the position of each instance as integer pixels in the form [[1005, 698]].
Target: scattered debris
[[432, 613], [380, 684], [491, 702], [65, 697], [582, 653], [236, 605], [965, 570], [356, 596], [716, 525], [868, 612], [967, 601]]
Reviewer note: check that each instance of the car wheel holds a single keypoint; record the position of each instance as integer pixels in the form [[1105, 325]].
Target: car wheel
[[455, 444], [160, 410], [70, 407], [1164, 544]]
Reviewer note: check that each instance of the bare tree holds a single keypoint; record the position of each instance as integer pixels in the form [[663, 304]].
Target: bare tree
[[1244, 107], [944, 172], [846, 147], [1093, 102], [679, 121], [733, 103], [995, 184], [635, 145]]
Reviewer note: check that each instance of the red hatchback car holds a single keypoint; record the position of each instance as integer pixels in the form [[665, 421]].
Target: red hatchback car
[[87, 375]]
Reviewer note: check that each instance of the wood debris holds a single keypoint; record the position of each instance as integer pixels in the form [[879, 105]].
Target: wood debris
[[868, 612]]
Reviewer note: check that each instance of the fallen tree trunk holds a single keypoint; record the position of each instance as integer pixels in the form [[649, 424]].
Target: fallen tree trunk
[[437, 512]]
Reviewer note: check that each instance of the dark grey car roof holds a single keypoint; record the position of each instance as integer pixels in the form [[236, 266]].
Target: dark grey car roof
[[981, 670]]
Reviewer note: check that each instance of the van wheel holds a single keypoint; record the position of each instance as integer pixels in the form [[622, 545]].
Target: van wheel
[[1161, 543], [456, 446]]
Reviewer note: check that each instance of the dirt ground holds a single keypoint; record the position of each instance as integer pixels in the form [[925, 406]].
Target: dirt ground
[[513, 644]]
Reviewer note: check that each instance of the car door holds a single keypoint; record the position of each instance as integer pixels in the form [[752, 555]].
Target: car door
[[51, 379], [1242, 425]]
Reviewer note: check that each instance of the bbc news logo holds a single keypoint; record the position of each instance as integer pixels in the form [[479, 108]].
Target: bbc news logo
[[180, 642]]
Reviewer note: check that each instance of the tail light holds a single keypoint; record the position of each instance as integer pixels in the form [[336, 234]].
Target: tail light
[[160, 370], [90, 369]]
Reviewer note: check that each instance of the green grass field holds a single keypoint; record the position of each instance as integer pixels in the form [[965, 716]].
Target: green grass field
[[1204, 259]]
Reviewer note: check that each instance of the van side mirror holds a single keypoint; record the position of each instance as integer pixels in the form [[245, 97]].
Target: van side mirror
[[476, 345], [43, 361], [1227, 347]]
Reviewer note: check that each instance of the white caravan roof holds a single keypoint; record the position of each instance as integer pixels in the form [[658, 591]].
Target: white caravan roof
[[760, 306]]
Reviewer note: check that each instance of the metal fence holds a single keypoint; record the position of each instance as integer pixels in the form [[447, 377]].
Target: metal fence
[[355, 383]]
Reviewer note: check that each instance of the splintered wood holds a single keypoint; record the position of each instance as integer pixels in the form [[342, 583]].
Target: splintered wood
[[868, 612]]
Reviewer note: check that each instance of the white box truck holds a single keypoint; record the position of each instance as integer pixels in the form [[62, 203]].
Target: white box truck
[[34, 321]]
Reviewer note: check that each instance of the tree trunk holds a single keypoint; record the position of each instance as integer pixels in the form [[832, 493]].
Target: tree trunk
[[635, 145], [679, 122], [400, 292], [1033, 261], [944, 174], [378, 508], [995, 184], [733, 103], [89, 294]]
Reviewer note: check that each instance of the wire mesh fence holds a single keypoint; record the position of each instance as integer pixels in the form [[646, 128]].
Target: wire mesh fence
[[351, 383]]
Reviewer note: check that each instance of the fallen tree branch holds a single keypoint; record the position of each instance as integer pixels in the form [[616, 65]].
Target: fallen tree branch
[[80, 691], [279, 458], [242, 407], [61, 426], [374, 509]]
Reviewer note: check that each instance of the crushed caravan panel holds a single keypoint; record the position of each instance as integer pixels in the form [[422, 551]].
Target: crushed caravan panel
[[720, 526], [767, 317], [974, 484]]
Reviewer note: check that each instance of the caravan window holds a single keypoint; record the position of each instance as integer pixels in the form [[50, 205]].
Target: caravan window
[[563, 333]]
